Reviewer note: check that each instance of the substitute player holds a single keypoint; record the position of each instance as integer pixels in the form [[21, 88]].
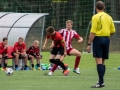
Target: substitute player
[[68, 34], [34, 53], [59, 48], [3, 52], [19, 52], [102, 28]]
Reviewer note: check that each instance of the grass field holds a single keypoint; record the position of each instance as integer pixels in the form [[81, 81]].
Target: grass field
[[37, 80]]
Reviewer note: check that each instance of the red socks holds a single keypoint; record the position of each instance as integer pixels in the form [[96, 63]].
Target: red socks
[[77, 61], [54, 67]]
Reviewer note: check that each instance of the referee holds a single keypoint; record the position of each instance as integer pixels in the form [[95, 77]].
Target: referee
[[102, 28]]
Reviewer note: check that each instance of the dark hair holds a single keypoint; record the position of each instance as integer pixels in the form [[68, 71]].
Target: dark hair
[[50, 29], [100, 5], [21, 38], [5, 38]]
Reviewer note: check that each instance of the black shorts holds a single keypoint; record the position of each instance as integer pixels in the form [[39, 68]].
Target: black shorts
[[20, 56], [101, 47], [5, 57], [57, 51]]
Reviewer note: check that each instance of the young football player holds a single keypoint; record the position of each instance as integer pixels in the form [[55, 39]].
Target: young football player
[[3, 52], [19, 52], [68, 34], [59, 48], [34, 53]]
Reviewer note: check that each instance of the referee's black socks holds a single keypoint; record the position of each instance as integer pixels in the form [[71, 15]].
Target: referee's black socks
[[100, 70], [58, 62], [104, 67]]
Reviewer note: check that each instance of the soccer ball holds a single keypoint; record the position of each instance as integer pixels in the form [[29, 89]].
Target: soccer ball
[[9, 71]]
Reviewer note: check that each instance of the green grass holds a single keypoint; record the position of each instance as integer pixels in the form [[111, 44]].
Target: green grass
[[36, 80]]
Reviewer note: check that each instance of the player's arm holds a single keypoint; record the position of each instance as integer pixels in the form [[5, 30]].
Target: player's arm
[[45, 42], [16, 49], [24, 49], [65, 51], [92, 33], [80, 39], [1, 50], [52, 45], [38, 53]]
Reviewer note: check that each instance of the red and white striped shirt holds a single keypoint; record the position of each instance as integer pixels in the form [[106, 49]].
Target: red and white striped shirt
[[68, 36]]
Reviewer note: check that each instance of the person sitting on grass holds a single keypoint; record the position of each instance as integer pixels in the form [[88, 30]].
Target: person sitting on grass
[[3, 52], [19, 52], [34, 53]]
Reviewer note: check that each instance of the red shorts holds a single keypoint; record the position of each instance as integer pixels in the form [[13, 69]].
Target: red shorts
[[68, 51]]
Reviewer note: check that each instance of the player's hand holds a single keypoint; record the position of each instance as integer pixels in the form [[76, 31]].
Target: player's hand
[[23, 54], [80, 41], [88, 48], [51, 46], [5, 46], [43, 47], [65, 53], [6, 54], [39, 57]]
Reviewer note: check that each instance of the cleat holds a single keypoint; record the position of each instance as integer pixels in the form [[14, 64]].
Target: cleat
[[39, 68], [1, 69], [66, 72], [17, 68], [66, 65], [26, 68], [76, 71], [98, 86], [50, 73], [4, 69], [33, 69]]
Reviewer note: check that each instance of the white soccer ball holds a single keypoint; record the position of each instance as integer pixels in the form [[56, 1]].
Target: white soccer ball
[[9, 71]]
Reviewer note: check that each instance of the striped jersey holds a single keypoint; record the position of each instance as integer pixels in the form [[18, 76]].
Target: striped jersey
[[68, 35]]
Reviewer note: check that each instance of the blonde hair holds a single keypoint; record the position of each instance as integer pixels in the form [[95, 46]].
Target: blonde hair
[[69, 21], [36, 41]]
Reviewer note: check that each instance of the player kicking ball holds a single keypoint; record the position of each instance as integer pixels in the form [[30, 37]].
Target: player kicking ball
[[59, 48], [68, 34]]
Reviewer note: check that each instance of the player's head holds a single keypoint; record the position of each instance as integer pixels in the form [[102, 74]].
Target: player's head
[[36, 43], [69, 24], [5, 40], [100, 6], [20, 40], [50, 30]]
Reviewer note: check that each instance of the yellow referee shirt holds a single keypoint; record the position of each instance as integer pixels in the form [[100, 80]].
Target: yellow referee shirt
[[102, 24]]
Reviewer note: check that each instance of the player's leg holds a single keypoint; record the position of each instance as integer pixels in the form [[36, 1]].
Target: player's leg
[[6, 61], [55, 66], [98, 54], [31, 58], [61, 64], [38, 63], [76, 53], [0, 62], [16, 60], [25, 58]]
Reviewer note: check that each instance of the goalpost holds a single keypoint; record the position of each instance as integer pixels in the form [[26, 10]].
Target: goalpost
[[115, 38]]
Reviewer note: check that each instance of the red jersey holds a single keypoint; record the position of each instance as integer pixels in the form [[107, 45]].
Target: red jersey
[[68, 36], [18, 47], [2, 50], [34, 51], [57, 38]]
